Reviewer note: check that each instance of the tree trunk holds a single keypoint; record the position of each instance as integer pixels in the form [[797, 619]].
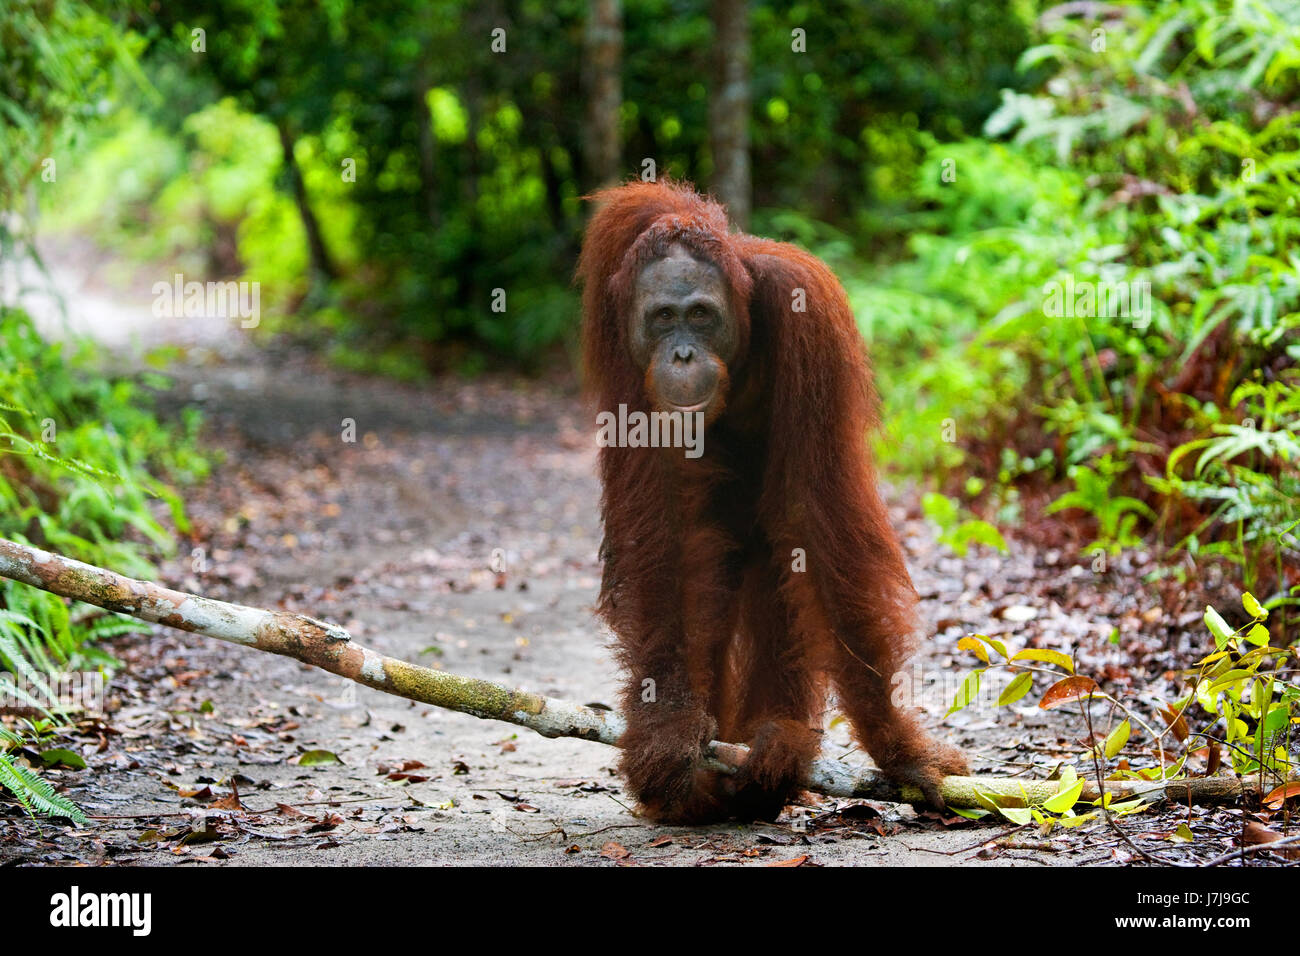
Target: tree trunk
[[603, 60], [729, 104], [321, 265]]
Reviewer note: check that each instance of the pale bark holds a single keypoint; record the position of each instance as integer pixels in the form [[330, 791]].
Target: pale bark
[[729, 106], [602, 68]]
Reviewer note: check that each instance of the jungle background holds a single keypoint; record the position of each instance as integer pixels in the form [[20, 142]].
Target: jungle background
[[389, 173]]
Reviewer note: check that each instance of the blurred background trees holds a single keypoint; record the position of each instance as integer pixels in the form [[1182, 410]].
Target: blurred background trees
[[467, 145], [383, 168]]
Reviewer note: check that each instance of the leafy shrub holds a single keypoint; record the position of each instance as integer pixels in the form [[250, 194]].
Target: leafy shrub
[[77, 457], [1159, 157]]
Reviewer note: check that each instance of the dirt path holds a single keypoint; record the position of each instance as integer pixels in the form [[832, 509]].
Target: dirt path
[[392, 535]]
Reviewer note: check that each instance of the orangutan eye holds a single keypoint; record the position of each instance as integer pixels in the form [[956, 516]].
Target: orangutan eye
[[661, 321]]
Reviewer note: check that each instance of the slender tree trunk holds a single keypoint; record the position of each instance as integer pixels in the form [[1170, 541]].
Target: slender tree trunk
[[321, 264], [480, 20], [729, 104], [467, 264], [603, 62]]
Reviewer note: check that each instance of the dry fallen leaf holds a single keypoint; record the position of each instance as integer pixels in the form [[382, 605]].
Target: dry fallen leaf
[[614, 851], [1176, 722], [1067, 691], [1282, 794], [230, 802], [1256, 833], [1214, 759]]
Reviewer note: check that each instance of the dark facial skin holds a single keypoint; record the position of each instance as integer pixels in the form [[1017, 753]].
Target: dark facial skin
[[683, 333]]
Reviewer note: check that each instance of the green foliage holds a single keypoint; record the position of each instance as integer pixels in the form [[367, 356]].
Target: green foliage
[[33, 794], [839, 131], [56, 55], [467, 171], [204, 201], [1116, 514], [1158, 160], [78, 449], [959, 534], [1245, 691], [76, 455], [1246, 475], [38, 636], [54, 68], [976, 243]]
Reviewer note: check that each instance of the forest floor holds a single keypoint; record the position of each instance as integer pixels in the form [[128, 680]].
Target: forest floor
[[197, 759]]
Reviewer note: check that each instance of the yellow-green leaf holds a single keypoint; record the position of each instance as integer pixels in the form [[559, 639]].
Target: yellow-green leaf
[[969, 690], [1080, 820], [1218, 627], [1230, 678], [1117, 738], [1128, 806], [1253, 607], [1020, 815], [1064, 800], [1019, 687], [317, 758], [1237, 729], [1258, 635], [1048, 656]]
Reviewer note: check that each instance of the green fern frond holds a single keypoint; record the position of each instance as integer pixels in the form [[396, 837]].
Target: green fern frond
[[35, 795]]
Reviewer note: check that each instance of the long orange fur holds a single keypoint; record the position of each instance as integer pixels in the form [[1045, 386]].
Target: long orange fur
[[717, 633]]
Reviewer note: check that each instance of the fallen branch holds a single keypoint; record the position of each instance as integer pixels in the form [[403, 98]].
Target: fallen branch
[[331, 648]]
